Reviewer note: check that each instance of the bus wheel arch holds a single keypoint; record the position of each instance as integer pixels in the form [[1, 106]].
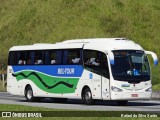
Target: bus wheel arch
[[86, 95], [29, 93]]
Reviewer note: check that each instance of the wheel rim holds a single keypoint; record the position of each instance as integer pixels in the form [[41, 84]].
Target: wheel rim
[[29, 94], [88, 96]]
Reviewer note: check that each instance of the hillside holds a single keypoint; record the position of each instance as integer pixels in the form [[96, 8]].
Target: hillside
[[33, 21]]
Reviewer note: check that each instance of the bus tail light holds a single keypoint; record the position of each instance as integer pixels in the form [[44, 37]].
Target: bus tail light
[[115, 89]]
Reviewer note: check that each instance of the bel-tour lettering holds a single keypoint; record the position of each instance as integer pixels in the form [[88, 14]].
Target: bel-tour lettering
[[65, 71]]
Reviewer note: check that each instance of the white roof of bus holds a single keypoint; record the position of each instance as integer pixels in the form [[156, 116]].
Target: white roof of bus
[[101, 44]]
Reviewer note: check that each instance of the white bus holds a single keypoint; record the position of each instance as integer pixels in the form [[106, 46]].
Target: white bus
[[88, 69]]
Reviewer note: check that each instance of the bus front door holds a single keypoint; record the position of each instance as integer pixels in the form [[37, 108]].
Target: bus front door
[[105, 82], [105, 92]]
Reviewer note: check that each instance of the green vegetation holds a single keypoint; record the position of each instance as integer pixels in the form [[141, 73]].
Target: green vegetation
[[49, 21], [2, 88]]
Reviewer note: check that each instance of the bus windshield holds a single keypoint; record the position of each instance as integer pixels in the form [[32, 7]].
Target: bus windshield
[[130, 65]]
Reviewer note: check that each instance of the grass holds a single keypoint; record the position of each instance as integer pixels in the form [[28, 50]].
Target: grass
[[22, 108], [156, 87], [49, 21]]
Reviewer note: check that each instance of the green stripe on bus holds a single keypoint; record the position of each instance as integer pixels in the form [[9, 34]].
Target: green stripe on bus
[[48, 83]]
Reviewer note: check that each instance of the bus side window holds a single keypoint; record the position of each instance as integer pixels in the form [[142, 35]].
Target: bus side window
[[55, 57], [73, 56], [28, 58], [92, 58], [21, 58], [46, 58], [92, 61], [38, 57], [13, 58]]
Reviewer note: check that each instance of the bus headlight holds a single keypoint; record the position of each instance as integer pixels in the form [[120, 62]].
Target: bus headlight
[[149, 90], [115, 89]]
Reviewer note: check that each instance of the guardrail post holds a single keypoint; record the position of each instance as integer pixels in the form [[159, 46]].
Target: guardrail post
[[3, 80]]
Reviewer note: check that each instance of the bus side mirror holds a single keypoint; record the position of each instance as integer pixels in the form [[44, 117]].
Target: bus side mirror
[[111, 57], [154, 56]]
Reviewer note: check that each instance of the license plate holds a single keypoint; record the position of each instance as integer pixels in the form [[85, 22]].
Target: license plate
[[134, 95]]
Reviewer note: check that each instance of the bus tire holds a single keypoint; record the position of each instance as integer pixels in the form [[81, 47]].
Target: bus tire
[[122, 102], [60, 100], [29, 94], [87, 97]]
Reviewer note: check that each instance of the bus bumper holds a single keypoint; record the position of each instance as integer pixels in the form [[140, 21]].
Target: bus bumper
[[131, 96]]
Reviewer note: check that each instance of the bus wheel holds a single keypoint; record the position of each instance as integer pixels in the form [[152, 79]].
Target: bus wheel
[[122, 103], [29, 94], [60, 100], [87, 97]]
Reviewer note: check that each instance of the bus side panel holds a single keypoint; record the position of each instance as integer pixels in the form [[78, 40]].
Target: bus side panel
[[13, 86], [83, 81], [93, 81], [49, 80], [66, 85]]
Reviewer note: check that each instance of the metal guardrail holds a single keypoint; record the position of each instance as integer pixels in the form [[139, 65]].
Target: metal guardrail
[[3, 80], [156, 95]]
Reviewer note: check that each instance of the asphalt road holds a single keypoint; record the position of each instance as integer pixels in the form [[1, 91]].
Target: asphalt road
[[151, 105]]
